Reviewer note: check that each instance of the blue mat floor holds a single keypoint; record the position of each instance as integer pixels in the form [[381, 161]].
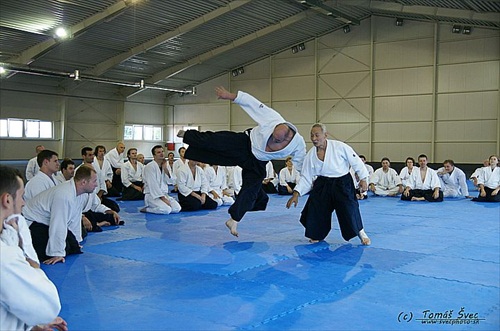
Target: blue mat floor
[[431, 266]]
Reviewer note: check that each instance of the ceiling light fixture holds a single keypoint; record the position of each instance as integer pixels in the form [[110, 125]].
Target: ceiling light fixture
[[61, 33], [346, 29], [399, 21], [456, 28], [467, 30]]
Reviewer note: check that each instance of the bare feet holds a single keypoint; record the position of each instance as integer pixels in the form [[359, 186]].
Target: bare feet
[[180, 134], [103, 223], [364, 238], [314, 241], [232, 226], [417, 199], [143, 210]]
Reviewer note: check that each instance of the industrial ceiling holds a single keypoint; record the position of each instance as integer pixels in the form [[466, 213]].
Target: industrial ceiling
[[177, 44]]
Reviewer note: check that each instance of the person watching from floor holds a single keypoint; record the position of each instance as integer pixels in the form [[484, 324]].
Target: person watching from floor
[[132, 170], [453, 181], [288, 178], [48, 162], [385, 181], [423, 184], [32, 167]]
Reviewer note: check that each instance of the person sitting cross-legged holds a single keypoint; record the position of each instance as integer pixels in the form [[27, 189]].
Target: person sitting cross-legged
[[423, 184], [193, 188], [385, 181]]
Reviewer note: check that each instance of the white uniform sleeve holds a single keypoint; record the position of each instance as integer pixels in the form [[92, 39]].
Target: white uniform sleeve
[[26, 292], [183, 180]]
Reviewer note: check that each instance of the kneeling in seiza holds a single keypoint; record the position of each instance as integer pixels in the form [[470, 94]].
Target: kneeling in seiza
[[217, 185], [155, 177], [193, 188]]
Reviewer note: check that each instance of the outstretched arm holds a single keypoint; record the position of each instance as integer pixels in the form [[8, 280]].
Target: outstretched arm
[[224, 94]]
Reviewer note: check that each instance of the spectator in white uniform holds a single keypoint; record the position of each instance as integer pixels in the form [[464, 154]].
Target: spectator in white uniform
[[115, 158], [453, 181], [132, 170], [325, 176], [28, 299], [170, 166], [32, 167], [288, 178], [269, 183], [477, 172], [55, 216], [155, 177], [193, 188], [67, 171], [48, 162], [217, 185], [406, 172], [368, 167], [489, 182], [385, 181], [423, 184]]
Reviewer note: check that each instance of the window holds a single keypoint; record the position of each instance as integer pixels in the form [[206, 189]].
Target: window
[[143, 132], [19, 128]]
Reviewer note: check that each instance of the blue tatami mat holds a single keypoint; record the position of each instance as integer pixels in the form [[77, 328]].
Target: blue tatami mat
[[431, 266]]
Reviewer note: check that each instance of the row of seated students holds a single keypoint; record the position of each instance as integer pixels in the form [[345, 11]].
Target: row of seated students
[[421, 183], [201, 186]]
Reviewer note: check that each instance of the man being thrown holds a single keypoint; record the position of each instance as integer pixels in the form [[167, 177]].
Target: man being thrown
[[332, 190], [272, 138]]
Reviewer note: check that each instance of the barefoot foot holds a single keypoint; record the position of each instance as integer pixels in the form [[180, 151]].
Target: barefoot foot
[[103, 223], [314, 241], [364, 238], [232, 226]]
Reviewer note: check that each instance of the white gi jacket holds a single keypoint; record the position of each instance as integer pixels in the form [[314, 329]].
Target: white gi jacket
[[130, 175], [187, 184], [267, 119], [60, 209], [489, 177], [430, 183], [454, 184], [103, 174], [37, 185], [286, 176], [405, 174], [155, 180], [27, 296], [339, 157], [32, 168], [115, 159], [385, 180]]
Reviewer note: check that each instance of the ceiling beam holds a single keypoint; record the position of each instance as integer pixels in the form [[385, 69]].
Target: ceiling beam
[[30, 54], [172, 71], [330, 11], [104, 66], [395, 8]]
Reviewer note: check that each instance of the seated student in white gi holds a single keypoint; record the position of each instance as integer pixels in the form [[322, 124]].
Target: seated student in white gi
[[181, 161], [155, 177], [132, 170], [406, 172], [55, 217], [269, 183], [217, 185], [32, 167], [104, 174], [288, 178], [234, 180], [115, 158], [368, 167], [385, 181], [67, 171], [423, 184], [477, 172], [170, 166], [28, 299], [193, 188], [453, 181], [45, 178], [489, 182]]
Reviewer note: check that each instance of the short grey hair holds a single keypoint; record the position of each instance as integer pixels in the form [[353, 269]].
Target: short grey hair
[[320, 125]]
